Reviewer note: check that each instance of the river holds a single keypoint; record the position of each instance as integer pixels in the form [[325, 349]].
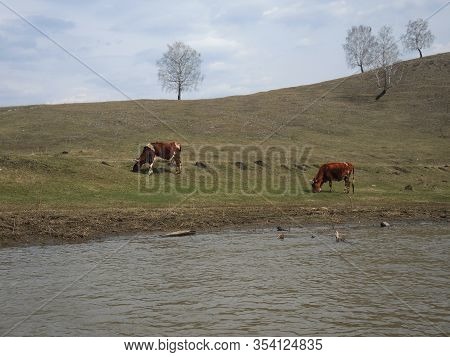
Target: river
[[382, 282]]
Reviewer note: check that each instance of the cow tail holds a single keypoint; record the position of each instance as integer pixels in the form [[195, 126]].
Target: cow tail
[[353, 180]]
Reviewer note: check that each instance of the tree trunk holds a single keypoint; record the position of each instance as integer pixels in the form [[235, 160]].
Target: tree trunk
[[420, 52], [361, 67], [383, 92], [179, 90]]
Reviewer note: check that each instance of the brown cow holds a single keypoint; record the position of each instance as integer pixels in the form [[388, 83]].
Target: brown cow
[[168, 151], [334, 171]]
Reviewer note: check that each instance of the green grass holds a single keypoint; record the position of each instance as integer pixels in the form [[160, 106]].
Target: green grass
[[403, 139], [63, 181]]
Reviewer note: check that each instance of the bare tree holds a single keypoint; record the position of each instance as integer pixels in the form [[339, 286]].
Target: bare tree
[[179, 68], [359, 46], [386, 58], [417, 36]]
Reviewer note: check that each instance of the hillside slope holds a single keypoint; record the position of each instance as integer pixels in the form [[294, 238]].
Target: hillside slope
[[407, 130], [346, 120]]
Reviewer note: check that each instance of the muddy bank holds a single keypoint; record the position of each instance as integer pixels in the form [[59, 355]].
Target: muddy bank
[[28, 227]]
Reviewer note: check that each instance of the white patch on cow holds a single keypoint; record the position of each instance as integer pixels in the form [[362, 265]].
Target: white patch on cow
[[150, 146]]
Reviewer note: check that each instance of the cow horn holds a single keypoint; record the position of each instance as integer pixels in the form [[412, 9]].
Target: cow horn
[[137, 160]]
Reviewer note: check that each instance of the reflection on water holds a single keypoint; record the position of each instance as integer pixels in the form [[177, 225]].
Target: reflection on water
[[391, 281]]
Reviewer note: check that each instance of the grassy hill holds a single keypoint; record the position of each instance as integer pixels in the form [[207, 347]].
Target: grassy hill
[[402, 139]]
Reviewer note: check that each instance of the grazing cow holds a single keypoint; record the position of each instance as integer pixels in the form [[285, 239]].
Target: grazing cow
[[169, 151], [334, 171]]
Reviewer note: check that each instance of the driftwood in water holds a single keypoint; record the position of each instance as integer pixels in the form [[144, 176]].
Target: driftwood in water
[[180, 233]]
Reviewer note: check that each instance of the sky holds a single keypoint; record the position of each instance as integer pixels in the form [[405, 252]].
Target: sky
[[246, 46]]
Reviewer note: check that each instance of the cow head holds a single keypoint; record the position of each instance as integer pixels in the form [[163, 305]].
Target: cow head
[[144, 158], [136, 166], [316, 186]]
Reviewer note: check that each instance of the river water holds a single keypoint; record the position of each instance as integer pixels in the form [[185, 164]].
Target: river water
[[383, 281]]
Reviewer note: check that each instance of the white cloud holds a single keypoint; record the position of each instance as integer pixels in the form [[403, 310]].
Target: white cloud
[[211, 42], [338, 8], [80, 95], [21, 86], [304, 42], [218, 66], [287, 11], [271, 11], [439, 47], [310, 9]]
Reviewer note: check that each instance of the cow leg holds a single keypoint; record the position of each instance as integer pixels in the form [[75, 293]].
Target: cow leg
[[331, 186], [177, 159], [178, 165], [171, 161], [150, 170], [150, 159], [347, 184]]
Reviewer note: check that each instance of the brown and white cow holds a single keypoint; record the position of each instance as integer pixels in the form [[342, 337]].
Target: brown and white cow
[[334, 171], [168, 151]]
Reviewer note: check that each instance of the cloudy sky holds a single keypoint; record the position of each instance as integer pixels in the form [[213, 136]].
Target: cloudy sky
[[246, 45]]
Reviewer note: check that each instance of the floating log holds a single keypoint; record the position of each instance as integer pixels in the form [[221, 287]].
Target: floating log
[[180, 233]]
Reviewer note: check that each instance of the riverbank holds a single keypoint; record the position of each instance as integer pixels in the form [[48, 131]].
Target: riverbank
[[57, 226]]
